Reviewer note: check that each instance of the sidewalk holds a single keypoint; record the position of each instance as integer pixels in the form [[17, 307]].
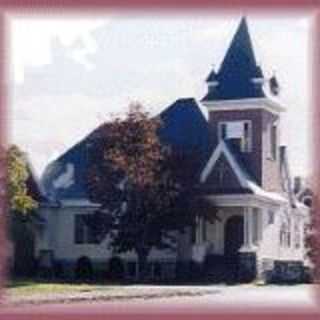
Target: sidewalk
[[115, 293]]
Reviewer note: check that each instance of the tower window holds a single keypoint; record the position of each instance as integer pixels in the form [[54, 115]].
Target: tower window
[[237, 131]]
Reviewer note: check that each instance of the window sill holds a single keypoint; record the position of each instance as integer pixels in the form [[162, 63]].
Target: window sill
[[248, 248]]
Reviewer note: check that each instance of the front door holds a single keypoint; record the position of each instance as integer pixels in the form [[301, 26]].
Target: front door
[[233, 242]]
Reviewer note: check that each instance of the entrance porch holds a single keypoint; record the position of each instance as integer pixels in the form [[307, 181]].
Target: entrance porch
[[228, 249]]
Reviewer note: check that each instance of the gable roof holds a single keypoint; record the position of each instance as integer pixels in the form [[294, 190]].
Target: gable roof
[[222, 179], [244, 178], [184, 127], [237, 71], [223, 148]]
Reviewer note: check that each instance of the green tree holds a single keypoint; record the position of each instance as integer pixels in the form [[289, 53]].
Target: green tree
[[21, 210], [20, 202]]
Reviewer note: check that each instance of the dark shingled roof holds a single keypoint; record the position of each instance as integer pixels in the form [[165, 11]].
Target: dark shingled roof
[[184, 128], [237, 70]]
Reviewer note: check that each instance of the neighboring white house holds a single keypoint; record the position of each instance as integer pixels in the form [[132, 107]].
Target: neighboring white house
[[245, 175]]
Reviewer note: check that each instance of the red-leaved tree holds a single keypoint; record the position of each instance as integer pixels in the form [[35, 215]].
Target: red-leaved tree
[[146, 189]]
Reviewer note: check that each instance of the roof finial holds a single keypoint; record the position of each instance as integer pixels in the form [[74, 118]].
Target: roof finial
[[273, 84]]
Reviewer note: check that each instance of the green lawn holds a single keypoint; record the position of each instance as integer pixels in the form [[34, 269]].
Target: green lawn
[[29, 287]]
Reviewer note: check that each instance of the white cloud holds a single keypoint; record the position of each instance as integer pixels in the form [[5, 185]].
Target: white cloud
[[31, 40]]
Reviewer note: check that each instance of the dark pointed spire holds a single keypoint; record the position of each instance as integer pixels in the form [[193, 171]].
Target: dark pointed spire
[[239, 70], [240, 52]]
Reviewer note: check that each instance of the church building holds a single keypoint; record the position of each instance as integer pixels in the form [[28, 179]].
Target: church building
[[245, 175]]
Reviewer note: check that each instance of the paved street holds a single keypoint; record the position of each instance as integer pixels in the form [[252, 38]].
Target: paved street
[[194, 299]]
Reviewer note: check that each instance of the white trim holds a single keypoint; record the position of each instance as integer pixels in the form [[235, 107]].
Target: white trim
[[213, 83], [245, 228], [249, 214], [277, 197], [78, 203], [244, 180], [245, 200], [258, 80], [244, 104], [213, 159]]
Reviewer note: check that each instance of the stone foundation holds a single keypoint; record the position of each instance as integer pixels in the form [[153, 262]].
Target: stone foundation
[[157, 270], [214, 270], [282, 271], [247, 267], [287, 272]]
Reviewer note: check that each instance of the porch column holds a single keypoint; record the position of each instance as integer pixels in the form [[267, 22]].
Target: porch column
[[248, 227], [247, 257]]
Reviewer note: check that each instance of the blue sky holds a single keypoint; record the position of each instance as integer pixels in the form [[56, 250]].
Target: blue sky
[[68, 75]]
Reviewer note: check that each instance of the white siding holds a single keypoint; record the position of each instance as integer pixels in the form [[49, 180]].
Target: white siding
[[59, 237], [270, 247]]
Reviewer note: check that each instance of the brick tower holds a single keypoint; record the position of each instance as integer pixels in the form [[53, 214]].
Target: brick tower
[[243, 110]]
